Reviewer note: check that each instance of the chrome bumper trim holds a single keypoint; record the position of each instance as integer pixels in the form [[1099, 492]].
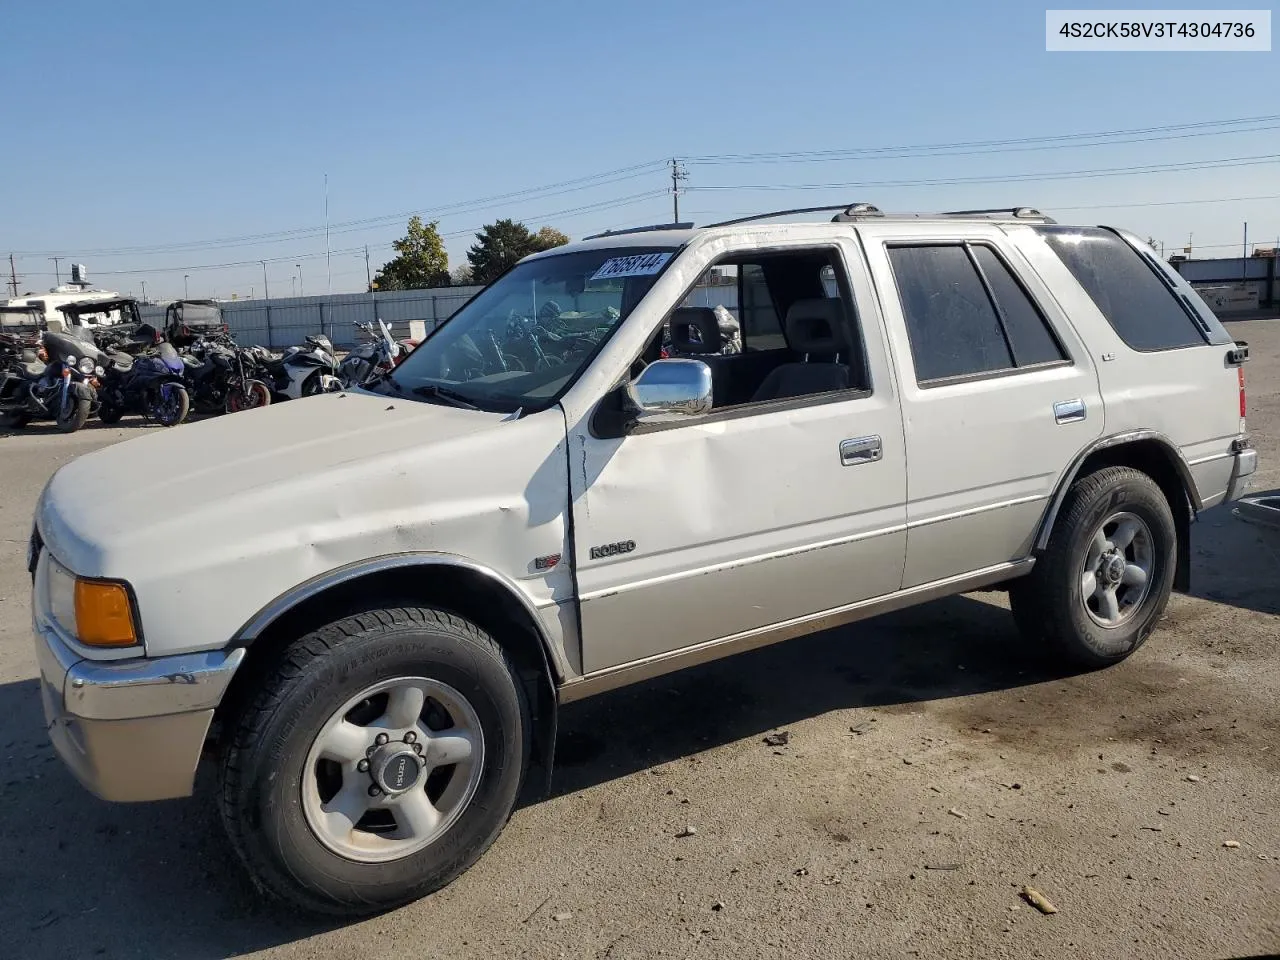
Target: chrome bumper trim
[[131, 730]]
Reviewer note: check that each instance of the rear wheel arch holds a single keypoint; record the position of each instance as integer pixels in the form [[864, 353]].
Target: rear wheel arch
[[1155, 455], [451, 584]]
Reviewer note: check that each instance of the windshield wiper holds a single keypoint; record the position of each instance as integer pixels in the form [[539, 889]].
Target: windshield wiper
[[444, 393]]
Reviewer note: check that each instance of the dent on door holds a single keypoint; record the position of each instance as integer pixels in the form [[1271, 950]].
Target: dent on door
[[711, 530]]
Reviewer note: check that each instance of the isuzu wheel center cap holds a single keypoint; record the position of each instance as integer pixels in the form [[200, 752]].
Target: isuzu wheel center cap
[[1114, 569], [395, 767]]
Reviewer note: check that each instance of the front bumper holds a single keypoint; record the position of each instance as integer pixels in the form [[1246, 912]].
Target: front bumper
[[130, 729], [1242, 473]]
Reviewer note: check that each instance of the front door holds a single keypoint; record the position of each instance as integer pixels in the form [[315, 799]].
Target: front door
[[787, 500]]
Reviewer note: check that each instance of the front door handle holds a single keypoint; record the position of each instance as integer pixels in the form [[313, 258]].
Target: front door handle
[[860, 450], [1070, 411]]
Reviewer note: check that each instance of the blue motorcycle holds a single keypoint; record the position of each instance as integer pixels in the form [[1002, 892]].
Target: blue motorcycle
[[150, 384]]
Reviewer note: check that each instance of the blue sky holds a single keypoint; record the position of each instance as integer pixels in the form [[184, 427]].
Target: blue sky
[[153, 125]]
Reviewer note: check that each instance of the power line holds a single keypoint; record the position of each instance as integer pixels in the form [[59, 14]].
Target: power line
[[547, 190], [1168, 131], [1011, 177], [571, 211]]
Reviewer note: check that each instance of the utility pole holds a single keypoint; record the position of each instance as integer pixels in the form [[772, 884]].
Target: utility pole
[[144, 291], [328, 268], [185, 292], [13, 276], [57, 275], [302, 291], [266, 290], [368, 278], [678, 173], [1244, 254]]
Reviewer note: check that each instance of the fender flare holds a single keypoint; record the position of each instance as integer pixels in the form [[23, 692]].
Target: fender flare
[[553, 669], [82, 391], [1115, 440]]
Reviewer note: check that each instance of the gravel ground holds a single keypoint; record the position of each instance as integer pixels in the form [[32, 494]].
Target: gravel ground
[[930, 770]]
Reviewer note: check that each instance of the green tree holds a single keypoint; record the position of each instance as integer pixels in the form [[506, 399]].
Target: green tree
[[420, 260], [549, 237], [499, 245]]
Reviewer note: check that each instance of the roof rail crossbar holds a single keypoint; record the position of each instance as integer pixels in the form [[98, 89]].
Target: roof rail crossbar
[[845, 211], [652, 226], [1017, 213]]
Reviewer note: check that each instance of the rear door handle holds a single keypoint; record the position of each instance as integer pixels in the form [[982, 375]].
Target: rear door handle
[[1070, 411], [860, 450]]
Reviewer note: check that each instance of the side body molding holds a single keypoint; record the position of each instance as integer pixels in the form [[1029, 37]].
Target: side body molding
[[1116, 440]]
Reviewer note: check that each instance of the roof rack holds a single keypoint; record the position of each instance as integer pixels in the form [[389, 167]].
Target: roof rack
[[851, 213], [846, 211], [654, 226], [1016, 213]]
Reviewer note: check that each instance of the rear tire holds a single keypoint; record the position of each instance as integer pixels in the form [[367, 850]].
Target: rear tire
[[1104, 580], [109, 413], [73, 416], [297, 751], [14, 421]]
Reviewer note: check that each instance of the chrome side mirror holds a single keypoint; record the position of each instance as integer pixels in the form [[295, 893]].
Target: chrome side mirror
[[669, 390]]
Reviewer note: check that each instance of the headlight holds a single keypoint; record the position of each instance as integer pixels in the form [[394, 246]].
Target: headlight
[[71, 359], [98, 371], [86, 365], [98, 613]]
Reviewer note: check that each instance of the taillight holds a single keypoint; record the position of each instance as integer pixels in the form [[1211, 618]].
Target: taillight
[[1240, 370]]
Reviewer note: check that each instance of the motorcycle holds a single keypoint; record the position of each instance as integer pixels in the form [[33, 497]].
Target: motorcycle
[[222, 376], [302, 371], [62, 388], [151, 384], [378, 355]]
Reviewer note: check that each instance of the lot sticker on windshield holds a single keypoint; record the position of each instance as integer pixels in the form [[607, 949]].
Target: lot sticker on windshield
[[641, 265]]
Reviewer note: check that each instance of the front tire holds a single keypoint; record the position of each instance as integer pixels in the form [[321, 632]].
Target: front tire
[[1106, 575], [72, 415], [254, 394], [378, 760], [171, 405]]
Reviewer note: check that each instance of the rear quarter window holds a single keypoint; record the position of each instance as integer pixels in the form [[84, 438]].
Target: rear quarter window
[[1140, 305]]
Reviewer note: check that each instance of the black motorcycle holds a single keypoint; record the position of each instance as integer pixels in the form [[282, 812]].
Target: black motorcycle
[[151, 384], [61, 388], [222, 376]]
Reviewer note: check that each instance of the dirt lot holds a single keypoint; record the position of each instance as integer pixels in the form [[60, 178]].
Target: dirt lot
[[931, 769]]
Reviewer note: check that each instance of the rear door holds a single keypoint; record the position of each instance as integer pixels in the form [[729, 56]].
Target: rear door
[[998, 393], [1164, 359]]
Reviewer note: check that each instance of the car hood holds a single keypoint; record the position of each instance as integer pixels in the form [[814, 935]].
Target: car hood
[[257, 470]]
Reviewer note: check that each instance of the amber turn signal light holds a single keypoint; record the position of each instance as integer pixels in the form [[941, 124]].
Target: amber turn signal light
[[104, 616]]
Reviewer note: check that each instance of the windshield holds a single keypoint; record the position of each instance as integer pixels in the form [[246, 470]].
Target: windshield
[[201, 315], [521, 342], [23, 318]]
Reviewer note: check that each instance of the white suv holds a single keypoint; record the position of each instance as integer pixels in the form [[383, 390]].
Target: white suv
[[369, 605]]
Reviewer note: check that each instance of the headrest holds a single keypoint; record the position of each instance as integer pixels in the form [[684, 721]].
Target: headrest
[[816, 326], [695, 330]]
